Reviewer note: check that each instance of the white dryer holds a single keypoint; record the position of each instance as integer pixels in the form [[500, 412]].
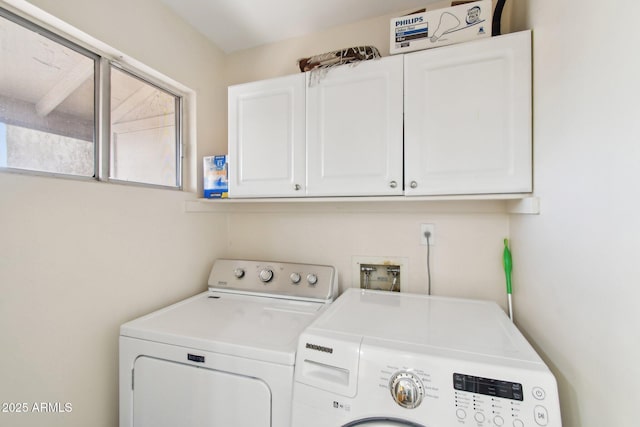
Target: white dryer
[[224, 357], [390, 359]]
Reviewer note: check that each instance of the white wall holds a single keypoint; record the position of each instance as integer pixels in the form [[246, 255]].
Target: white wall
[[577, 264], [77, 258]]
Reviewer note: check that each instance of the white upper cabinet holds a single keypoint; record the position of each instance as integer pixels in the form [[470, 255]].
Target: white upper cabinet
[[354, 129], [466, 114], [467, 118], [267, 138]]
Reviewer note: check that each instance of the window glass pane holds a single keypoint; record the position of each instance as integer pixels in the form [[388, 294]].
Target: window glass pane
[[46, 103], [144, 138]]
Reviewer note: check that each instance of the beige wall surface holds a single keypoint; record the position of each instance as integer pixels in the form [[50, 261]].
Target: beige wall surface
[[467, 258], [279, 59], [577, 280], [77, 259]]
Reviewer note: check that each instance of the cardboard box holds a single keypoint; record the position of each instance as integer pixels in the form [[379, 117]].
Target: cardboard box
[[216, 177], [441, 27]]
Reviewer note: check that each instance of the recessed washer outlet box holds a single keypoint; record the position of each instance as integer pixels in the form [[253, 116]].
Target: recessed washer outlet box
[[379, 273]]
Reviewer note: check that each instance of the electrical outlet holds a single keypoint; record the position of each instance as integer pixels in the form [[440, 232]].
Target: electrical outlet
[[431, 228]]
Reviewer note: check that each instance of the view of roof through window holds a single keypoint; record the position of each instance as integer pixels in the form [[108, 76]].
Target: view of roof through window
[[49, 118]]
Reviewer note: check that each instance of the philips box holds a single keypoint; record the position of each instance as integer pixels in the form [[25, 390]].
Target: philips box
[[441, 27], [216, 182]]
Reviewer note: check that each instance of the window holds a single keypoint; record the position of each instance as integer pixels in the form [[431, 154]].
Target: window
[[50, 120], [143, 131], [46, 103]]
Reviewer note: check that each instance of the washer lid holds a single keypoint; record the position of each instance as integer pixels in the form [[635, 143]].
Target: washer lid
[[252, 327], [398, 321]]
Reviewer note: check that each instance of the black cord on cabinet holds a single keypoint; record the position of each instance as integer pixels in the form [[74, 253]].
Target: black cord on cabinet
[[497, 18]]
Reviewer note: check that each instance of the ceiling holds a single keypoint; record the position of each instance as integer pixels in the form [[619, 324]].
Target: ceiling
[[241, 24]]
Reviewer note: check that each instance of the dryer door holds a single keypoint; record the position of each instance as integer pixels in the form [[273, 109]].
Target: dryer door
[[382, 422], [169, 394]]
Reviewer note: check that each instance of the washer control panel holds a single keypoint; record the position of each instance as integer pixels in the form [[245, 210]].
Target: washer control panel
[[483, 401], [456, 398], [281, 279]]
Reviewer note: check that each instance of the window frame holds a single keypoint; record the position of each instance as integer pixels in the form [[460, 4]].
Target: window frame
[[106, 105], [102, 103]]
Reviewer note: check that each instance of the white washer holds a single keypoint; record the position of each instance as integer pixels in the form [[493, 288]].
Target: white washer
[[224, 357], [390, 359]]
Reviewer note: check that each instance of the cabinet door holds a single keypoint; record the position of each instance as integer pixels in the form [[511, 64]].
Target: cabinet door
[[354, 129], [468, 118], [266, 138]]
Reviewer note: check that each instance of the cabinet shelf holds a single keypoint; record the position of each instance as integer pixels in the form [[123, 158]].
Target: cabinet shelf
[[521, 203]]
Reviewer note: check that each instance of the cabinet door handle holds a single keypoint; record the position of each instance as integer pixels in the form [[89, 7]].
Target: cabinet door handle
[[413, 184], [393, 184], [297, 187]]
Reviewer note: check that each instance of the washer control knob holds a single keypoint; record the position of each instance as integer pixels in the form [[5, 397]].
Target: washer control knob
[[406, 389], [266, 275], [312, 279], [295, 278], [238, 272]]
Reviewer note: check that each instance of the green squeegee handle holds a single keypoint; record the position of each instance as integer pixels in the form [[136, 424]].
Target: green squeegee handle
[[508, 264]]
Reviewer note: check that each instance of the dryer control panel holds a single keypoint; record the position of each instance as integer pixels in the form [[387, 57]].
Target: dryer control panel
[[276, 279]]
